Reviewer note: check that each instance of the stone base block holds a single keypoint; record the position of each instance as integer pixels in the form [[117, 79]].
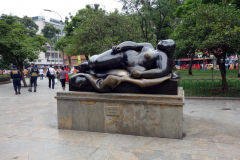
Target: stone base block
[[133, 114], [168, 87]]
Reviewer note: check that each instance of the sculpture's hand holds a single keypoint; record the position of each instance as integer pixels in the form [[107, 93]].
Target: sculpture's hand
[[116, 49], [136, 74]]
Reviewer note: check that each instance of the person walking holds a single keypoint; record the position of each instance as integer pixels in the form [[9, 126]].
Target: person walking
[[17, 77], [34, 75], [51, 76], [41, 73], [62, 76]]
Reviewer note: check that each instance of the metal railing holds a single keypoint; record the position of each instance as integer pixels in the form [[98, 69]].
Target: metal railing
[[210, 88]]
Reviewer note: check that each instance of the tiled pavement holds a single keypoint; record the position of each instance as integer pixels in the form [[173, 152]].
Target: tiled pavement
[[28, 130]]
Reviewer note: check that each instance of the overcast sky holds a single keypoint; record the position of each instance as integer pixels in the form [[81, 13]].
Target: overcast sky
[[33, 8]]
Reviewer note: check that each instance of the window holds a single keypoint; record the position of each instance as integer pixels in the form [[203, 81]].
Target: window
[[84, 60], [39, 60], [53, 55], [48, 60], [47, 55], [74, 61]]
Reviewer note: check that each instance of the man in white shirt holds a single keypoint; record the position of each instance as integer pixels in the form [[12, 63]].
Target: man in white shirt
[[41, 73], [51, 77]]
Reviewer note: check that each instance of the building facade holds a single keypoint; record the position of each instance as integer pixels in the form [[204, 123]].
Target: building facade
[[76, 60], [47, 58]]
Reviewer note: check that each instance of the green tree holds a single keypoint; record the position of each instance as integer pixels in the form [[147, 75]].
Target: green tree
[[154, 17], [50, 32], [16, 44], [100, 31], [27, 22], [71, 26], [4, 64], [190, 5], [61, 44], [30, 25], [79, 18], [216, 29]]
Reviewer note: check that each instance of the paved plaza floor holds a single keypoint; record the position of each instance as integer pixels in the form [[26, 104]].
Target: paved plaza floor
[[28, 130]]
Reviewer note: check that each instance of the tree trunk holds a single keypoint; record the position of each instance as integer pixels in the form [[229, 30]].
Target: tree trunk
[[223, 73], [86, 57], [190, 65], [70, 65], [63, 57]]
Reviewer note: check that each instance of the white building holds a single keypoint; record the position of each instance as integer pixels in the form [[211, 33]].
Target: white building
[[44, 57]]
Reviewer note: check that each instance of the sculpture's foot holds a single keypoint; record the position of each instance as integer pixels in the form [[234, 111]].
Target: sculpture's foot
[[79, 80], [83, 68], [175, 75]]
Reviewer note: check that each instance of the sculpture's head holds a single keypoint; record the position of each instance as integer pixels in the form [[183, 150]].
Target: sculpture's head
[[167, 46]]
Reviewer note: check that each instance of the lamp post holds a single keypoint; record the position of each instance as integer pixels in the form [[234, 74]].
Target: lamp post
[[48, 10]]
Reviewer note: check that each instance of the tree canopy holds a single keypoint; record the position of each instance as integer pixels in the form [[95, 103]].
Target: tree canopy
[[153, 16], [16, 43], [99, 31], [49, 31], [190, 5], [214, 28]]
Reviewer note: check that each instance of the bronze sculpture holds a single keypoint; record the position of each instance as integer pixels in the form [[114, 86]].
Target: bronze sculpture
[[129, 62]]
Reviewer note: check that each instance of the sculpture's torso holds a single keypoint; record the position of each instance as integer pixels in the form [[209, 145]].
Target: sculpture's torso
[[133, 60]]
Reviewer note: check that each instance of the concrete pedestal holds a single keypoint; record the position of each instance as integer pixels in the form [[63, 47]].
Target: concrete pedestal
[[133, 114]]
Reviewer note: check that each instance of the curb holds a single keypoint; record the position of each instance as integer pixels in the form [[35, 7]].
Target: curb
[[213, 98], [5, 82]]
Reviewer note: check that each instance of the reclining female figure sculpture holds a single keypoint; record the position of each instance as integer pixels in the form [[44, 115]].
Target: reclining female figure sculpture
[[141, 60], [129, 60]]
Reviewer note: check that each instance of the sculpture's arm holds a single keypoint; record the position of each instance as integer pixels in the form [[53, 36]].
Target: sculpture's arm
[[129, 45]]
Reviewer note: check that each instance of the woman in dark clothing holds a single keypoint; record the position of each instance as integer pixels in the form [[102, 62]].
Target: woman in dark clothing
[[62, 75]]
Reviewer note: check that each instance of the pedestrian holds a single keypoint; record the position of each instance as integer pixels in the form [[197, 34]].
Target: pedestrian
[[41, 73], [51, 76], [34, 75], [17, 77], [62, 76], [57, 72], [235, 64]]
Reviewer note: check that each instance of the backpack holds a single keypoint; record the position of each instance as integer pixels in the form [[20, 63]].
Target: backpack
[[48, 73]]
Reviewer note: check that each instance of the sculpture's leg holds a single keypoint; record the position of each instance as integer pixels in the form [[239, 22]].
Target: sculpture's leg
[[105, 61]]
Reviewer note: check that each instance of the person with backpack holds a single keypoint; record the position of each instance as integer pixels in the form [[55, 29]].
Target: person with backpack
[[51, 76]]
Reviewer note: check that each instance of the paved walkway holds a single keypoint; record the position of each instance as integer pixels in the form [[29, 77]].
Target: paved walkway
[[28, 130]]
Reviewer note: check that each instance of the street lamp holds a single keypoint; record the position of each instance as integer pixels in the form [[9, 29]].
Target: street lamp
[[48, 10]]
